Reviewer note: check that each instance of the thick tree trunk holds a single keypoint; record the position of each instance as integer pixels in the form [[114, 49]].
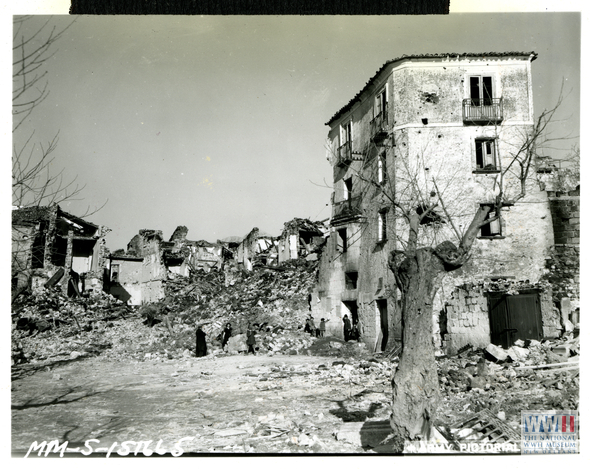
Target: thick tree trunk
[[415, 383], [417, 274]]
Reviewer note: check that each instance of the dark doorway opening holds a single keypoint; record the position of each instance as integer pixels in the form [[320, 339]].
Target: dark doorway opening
[[352, 310], [514, 317], [382, 306]]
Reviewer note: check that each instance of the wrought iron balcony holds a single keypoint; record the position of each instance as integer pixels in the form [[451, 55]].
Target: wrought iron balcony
[[483, 111], [344, 155], [379, 126], [347, 208]]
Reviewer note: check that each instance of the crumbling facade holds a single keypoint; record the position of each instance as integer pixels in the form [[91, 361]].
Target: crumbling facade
[[459, 116], [301, 239], [257, 248], [563, 263], [51, 246], [138, 276]]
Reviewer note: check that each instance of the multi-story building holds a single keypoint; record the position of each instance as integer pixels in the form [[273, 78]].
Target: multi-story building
[[455, 119]]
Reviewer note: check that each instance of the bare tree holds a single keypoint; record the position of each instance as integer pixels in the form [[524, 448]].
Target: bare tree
[[34, 182]]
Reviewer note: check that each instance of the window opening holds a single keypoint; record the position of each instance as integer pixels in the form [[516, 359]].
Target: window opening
[[485, 154], [382, 169], [351, 279], [481, 92], [382, 226], [115, 273], [342, 240], [494, 228], [348, 189]]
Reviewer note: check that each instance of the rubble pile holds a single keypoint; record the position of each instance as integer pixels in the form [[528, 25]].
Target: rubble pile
[[273, 301], [529, 375], [50, 325], [268, 299]]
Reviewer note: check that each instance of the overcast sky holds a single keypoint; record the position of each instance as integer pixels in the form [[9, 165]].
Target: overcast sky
[[217, 123]]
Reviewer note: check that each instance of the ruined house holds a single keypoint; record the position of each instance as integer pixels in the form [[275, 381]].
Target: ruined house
[[257, 248], [138, 275], [465, 112], [301, 239], [182, 256], [51, 246]]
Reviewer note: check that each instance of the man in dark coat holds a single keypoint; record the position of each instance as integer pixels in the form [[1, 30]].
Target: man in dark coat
[[226, 335], [251, 340], [201, 349], [347, 327]]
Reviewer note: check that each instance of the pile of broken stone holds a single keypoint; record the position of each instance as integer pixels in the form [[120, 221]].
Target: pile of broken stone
[[51, 326], [530, 375]]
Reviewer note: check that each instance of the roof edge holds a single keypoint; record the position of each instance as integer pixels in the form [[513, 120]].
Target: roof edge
[[531, 56]]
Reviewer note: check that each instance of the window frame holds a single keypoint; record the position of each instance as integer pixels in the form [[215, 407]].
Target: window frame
[[382, 226], [480, 143], [493, 230], [382, 169], [483, 98], [381, 101], [346, 135]]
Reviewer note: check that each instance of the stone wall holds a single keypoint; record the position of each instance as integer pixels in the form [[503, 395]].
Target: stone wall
[[465, 317], [563, 262]]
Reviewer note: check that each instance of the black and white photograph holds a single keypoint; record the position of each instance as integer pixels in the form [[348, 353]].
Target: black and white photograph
[[303, 235]]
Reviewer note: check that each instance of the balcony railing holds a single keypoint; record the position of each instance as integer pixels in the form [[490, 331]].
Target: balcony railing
[[483, 111], [347, 208], [379, 126], [344, 155]]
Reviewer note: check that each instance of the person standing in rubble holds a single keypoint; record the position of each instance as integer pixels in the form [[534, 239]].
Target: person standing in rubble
[[226, 335], [251, 340], [355, 333], [347, 327], [312, 328], [322, 328], [201, 348], [307, 327]]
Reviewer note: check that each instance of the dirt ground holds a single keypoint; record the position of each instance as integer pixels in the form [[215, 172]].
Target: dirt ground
[[333, 397], [231, 403]]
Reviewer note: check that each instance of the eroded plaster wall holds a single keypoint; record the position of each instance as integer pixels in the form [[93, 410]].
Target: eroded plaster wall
[[129, 284]]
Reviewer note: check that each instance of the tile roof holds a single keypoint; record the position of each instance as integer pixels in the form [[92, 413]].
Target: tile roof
[[348, 106]]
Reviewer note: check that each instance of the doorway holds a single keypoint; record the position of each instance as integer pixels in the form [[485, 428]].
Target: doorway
[[514, 317]]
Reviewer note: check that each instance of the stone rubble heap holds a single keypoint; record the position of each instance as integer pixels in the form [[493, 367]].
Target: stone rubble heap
[[274, 301], [529, 375]]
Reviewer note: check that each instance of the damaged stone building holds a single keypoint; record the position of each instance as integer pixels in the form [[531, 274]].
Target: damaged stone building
[[257, 248], [301, 239], [456, 114], [52, 247], [138, 275], [182, 256]]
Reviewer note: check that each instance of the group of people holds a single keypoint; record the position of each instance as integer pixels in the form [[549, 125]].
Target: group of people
[[351, 332], [315, 331], [201, 345]]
